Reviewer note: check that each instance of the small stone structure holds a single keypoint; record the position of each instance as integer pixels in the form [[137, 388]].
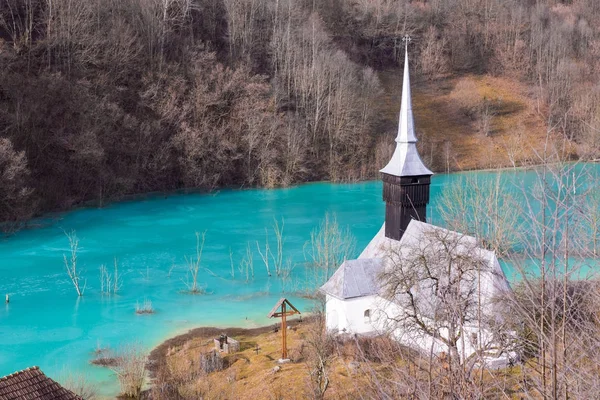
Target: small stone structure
[[211, 362], [227, 345]]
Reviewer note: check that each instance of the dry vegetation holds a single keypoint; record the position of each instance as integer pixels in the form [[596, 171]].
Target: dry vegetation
[[357, 368], [248, 375], [348, 367], [104, 99], [452, 134], [252, 375]]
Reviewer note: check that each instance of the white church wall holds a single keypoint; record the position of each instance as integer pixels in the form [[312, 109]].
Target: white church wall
[[474, 338], [351, 315], [333, 307]]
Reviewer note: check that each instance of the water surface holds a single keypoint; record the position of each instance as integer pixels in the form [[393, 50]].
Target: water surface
[[46, 324]]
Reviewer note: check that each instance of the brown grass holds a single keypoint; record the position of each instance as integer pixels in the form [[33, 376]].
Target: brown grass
[[441, 123], [249, 375]]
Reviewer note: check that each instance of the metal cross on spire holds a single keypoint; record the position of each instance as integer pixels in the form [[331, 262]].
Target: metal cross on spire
[[406, 39], [405, 160]]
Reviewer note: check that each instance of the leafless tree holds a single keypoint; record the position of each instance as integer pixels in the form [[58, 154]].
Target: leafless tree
[[267, 253], [318, 353], [14, 192], [432, 59], [243, 24], [555, 286], [144, 308], [328, 248], [194, 264], [486, 117], [435, 285], [131, 370], [80, 385], [117, 281], [484, 208], [73, 271], [17, 19], [280, 241], [105, 280], [514, 146], [110, 283], [246, 266]]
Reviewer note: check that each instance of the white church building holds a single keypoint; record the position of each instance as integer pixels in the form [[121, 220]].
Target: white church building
[[415, 280]]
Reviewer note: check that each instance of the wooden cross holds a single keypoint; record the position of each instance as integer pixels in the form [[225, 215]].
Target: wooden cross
[[281, 311]]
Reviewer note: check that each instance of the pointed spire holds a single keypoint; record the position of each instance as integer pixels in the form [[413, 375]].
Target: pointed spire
[[405, 160], [406, 126]]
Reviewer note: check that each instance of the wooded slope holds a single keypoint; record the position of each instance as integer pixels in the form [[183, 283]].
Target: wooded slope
[[105, 98]]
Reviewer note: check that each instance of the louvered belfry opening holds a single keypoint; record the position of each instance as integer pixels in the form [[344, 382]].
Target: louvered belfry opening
[[406, 198]]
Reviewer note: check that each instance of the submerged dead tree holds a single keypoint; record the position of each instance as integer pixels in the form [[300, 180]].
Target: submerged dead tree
[[328, 248], [484, 208], [194, 266], [277, 257], [110, 284], [71, 264]]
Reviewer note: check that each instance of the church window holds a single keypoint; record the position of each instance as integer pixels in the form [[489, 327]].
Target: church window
[[474, 338], [367, 315]]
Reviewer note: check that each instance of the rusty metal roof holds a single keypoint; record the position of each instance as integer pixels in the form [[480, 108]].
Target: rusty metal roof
[[32, 384]]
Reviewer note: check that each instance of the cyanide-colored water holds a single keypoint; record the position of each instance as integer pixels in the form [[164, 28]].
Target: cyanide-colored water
[[46, 324]]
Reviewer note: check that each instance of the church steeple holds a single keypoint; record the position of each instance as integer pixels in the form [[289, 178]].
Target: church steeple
[[406, 179]]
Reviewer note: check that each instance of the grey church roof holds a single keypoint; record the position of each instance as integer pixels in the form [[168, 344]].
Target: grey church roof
[[359, 278], [492, 280], [354, 278], [406, 161]]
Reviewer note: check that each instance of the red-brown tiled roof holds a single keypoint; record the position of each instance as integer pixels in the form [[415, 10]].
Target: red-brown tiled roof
[[32, 384]]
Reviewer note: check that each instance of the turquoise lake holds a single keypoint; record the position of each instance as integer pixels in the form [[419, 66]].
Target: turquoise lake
[[46, 324]]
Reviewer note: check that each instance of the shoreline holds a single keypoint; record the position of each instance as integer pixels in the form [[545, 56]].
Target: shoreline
[[248, 325], [157, 355], [51, 216]]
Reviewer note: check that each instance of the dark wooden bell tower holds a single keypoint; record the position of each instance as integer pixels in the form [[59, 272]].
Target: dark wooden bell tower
[[406, 198], [406, 179]]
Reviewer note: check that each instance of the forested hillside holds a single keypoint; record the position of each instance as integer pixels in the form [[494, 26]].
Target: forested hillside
[[105, 98]]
